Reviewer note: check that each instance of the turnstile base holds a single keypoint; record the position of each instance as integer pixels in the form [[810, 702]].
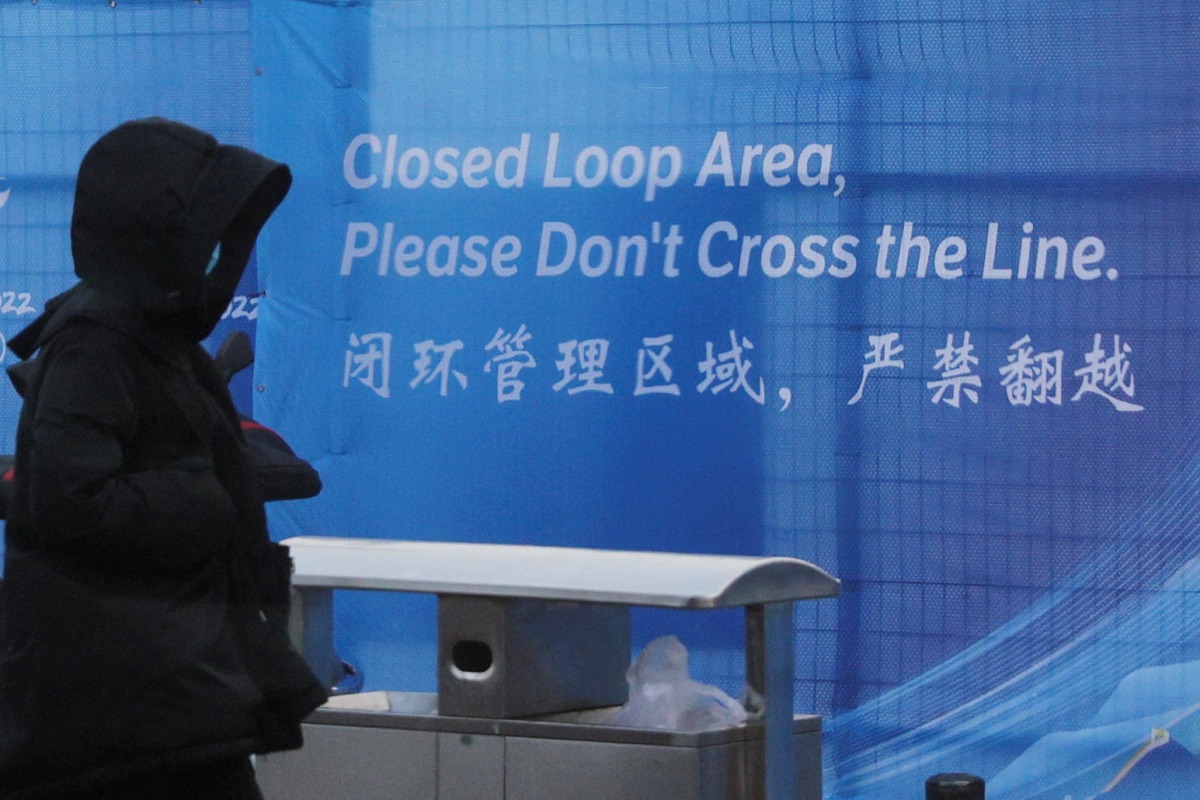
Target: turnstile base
[[415, 754]]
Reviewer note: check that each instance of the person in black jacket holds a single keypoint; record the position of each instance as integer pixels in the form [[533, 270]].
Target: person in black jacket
[[143, 650]]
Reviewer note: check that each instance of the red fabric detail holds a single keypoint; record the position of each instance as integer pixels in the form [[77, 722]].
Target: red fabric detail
[[251, 425]]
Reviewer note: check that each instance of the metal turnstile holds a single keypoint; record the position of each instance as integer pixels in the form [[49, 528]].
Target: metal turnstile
[[533, 644]]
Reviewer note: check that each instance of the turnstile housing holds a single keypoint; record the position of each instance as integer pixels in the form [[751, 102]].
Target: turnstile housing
[[533, 646], [413, 753]]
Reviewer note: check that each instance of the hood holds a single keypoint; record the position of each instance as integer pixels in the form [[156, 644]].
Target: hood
[[153, 200]]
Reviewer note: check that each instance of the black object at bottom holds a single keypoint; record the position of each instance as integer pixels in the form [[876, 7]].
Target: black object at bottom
[[225, 779], [954, 786]]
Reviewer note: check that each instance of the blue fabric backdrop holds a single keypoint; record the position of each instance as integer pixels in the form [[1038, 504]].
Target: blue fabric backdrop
[[901, 287]]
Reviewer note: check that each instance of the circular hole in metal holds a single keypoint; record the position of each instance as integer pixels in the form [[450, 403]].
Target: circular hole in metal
[[471, 656]]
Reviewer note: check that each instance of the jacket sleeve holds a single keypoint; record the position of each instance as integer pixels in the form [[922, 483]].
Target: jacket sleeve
[[83, 499]]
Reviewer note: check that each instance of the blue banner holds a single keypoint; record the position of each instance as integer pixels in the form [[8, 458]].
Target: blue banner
[[901, 287]]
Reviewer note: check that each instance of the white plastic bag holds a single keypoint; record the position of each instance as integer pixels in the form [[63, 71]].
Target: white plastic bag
[[663, 696]]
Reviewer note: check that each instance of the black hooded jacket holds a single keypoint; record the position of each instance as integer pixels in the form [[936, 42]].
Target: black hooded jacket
[[136, 536]]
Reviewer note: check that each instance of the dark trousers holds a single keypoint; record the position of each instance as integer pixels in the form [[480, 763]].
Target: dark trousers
[[228, 779]]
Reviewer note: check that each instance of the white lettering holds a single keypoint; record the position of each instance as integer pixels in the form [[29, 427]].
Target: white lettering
[[350, 161]]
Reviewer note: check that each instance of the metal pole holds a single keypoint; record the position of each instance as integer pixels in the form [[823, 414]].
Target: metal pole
[[770, 671], [311, 629]]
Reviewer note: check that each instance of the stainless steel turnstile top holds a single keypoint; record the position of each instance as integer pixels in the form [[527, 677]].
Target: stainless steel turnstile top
[[667, 580], [464, 572]]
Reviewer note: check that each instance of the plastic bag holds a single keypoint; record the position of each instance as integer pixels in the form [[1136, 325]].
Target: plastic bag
[[663, 696]]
